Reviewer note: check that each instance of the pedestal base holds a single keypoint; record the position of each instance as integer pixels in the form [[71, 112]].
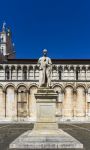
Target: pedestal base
[[45, 139], [45, 134]]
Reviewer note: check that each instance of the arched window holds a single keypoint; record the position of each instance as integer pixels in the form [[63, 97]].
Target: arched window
[[68, 102], [10, 102], [31, 74], [71, 73], [77, 73], [32, 101], [83, 73], [60, 73], [54, 73], [13, 73], [66, 73], [1, 73], [36, 73], [19, 73], [22, 102], [25, 73], [80, 102], [7, 73], [58, 90]]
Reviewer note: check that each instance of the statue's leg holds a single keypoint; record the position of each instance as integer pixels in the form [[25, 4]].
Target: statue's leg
[[48, 78]]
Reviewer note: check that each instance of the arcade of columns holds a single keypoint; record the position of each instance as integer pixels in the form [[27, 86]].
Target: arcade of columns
[[18, 83]]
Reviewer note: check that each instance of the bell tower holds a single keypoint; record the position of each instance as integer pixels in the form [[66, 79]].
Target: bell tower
[[6, 45]]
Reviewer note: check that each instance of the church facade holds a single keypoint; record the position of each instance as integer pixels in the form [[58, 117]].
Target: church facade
[[19, 81]]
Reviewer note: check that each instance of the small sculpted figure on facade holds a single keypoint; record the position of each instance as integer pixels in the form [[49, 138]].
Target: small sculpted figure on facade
[[45, 67]]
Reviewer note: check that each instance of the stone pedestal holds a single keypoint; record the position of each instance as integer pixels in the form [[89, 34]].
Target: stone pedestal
[[46, 109], [45, 134]]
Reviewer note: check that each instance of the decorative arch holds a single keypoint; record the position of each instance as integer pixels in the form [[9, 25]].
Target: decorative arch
[[80, 100], [69, 85], [24, 73], [57, 84], [71, 73], [60, 69], [72, 68], [81, 85], [32, 101], [54, 72], [68, 101], [59, 90], [83, 73], [22, 84], [66, 72], [31, 73], [36, 73], [13, 73], [19, 72], [33, 84], [10, 101], [9, 84], [22, 101], [7, 73]]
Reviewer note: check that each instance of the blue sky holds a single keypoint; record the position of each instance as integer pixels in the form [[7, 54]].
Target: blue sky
[[60, 26]]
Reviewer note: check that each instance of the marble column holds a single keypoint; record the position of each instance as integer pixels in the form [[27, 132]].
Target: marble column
[[68, 102], [80, 102]]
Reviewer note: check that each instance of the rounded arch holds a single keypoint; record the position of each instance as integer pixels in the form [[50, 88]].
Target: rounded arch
[[36, 67], [66, 68], [18, 67], [69, 85], [7, 67], [22, 100], [57, 84], [30, 67], [80, 100], [59, 90], [60, 68], [12, 67], [9, 84], [25, 67], [68, 101], [71, 68], [54, 67], [83, 68], [77, 68], [32, 100], [81, 85], [10, 100], [33, 84], [36, 72], [21, 84]]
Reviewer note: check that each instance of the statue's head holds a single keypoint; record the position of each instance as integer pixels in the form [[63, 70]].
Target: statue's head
[[45, 52]]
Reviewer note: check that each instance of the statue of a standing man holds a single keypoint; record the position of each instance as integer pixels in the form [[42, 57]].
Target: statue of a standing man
[[45, 66]]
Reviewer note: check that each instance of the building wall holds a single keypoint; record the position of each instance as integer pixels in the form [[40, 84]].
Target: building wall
[[19, 83]]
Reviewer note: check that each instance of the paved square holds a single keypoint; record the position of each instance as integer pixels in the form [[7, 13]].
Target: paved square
[[8, 132]]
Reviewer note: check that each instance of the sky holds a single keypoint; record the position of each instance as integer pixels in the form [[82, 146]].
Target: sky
[[60, 26]]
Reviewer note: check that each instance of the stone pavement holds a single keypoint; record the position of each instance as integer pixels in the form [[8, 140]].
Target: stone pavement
[[9, 132]]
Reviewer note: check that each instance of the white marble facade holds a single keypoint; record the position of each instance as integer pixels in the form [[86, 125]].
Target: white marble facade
[[19, 83]]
